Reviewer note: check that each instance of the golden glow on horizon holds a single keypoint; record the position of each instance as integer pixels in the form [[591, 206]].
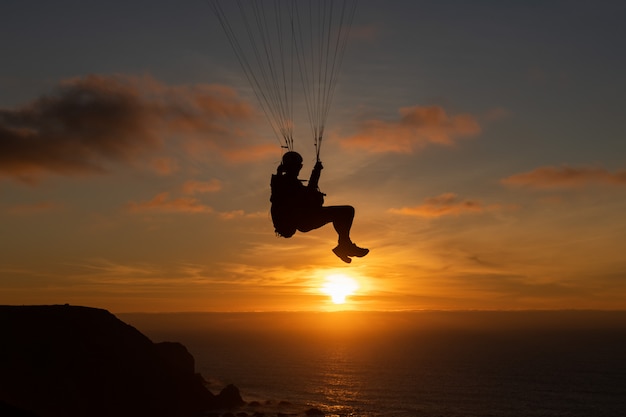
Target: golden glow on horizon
[[339, 286]]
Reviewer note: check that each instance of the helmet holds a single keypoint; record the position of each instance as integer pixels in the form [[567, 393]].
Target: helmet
[[292, 159]]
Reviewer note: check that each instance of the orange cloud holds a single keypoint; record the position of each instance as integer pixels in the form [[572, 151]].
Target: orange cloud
[[446, 205], [230, 215], [162, 203], [416, 128], [565, 177], [236, 214], [250, 153], [88, 123], [196, 187]]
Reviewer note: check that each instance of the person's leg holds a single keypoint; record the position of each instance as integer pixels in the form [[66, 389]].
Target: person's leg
[[340, 216], [342, 221]]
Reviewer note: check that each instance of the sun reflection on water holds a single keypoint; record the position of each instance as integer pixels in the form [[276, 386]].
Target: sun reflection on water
[[340, 384]]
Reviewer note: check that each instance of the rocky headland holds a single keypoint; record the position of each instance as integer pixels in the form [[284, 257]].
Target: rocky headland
[[69, 361]]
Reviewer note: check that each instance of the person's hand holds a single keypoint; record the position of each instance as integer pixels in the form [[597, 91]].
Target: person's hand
[[318, 165]]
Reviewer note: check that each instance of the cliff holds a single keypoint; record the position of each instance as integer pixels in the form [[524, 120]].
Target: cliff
[[67, 361]]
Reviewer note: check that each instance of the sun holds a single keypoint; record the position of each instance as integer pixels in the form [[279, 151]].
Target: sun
[[339, 286]]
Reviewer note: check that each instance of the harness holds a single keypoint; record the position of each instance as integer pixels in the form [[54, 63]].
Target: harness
[[290, 202]]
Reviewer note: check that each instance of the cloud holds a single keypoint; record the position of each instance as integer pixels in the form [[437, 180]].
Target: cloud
[[88, 123], [41, 207], [162, 203], [565, 177], [137, 277], [249, 154], [416, 128], [164, 165], [230, 215], [447, 204], [197, 187], [237, 214]]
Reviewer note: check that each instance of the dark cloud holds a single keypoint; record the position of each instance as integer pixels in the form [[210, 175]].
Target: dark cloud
[[89, 122]]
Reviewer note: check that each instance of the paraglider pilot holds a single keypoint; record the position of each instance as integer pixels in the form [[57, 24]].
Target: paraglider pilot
[[299, 207]]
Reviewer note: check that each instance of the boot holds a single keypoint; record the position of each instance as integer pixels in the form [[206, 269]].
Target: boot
[[353, 250], [339, 252], [345, 250]]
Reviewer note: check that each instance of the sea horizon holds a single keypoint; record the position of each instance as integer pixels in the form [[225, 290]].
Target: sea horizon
[[347, 310], [405, 364]]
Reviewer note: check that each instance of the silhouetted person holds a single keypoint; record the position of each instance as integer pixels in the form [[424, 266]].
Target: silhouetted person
[[299, 207]]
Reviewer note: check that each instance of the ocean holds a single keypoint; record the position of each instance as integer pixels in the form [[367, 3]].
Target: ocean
[[409, 364]]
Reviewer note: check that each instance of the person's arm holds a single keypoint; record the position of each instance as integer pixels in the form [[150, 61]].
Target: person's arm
[[315, 175]]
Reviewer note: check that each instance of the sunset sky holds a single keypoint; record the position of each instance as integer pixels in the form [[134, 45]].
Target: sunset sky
[[482, 144]]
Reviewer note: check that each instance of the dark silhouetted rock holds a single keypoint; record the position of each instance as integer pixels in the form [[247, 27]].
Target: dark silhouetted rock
[[67, 361], [314, 412], [229, 397], [7, 410], [177, 358]]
